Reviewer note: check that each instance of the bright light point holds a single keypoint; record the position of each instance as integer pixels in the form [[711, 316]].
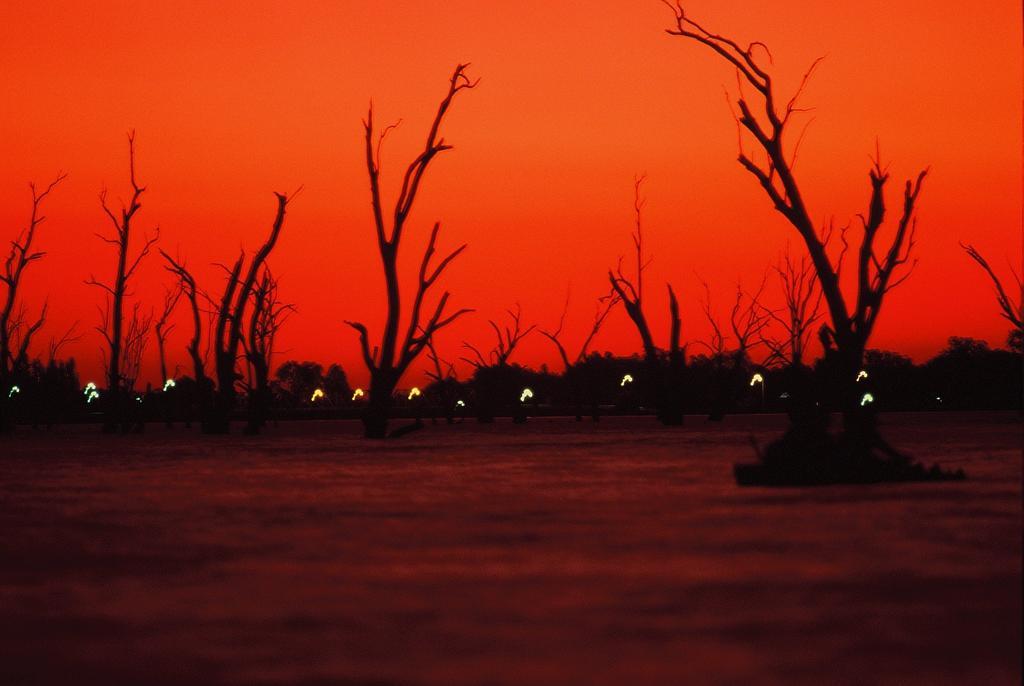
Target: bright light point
[[358, 393], [756, 379], [939, 398], [861, 375], [867, 399], [92, 395], [317, 394], [784, 395], [169, 384], [14, 389], [526, 394], [459, 403], [138, 398], [90, 388], [625, 380], [414, 393]]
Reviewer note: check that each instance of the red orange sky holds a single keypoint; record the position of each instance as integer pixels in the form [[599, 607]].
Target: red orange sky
[[235, 100]]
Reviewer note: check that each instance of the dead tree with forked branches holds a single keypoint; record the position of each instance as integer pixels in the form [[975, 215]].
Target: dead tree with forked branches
[[767, 119], [268, 316], [507, 340], [162, 329], [164, 326], [491, 375], [1012, 312], [664, 370], [801, 310], [16, 331], [581, 384], [389, 360], [203, 384], [136, 335], [113, 312], [228, 331], [731, 366], [445, 381]]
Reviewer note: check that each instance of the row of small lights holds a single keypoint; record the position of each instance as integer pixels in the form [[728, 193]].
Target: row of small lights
[[92, 393]]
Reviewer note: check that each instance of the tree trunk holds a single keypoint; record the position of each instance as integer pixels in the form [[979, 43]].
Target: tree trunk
[[378, 408]]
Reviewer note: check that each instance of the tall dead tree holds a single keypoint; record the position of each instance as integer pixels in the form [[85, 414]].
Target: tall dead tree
[[1012, 312], [228, 329], [663, 370], [16, 330], [391, 358], [767, 119], [204, 385], [112, 313]]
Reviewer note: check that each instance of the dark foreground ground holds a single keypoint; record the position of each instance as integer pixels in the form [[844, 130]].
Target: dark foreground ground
[[550, 553]]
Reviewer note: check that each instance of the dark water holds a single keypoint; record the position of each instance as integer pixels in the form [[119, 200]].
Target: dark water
[[550, 553]]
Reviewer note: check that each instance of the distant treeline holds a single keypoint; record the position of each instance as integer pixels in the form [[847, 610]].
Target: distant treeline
[[966, 375]]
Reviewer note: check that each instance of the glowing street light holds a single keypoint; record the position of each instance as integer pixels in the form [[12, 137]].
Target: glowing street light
[[525, 395], [317, 395], [357, 394], [861, 375], [89, 389], [628, 378], [138, 398], [460, 403], [867, 399], [758, 380], [14, 390], [169, 384], [415, 392], [92, 395]]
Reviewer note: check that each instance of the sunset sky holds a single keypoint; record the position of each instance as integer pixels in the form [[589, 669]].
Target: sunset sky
[[234, 100]]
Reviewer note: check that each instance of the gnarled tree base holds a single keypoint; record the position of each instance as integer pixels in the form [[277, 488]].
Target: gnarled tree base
[[805, 457]]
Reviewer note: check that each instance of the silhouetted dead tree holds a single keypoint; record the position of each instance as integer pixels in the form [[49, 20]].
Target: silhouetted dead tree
[[389, 361], [664, 374], [136, 334], [268, 316], [57, 343], [850, 328], [605, 305], [582, 386], [507, 340], [1013, 312], [204, 385], [747, 320], [444, 376], [802, 309], [15, 330], [112, 314], [716, 341], [732, 365], [228, 330], [164, 326], [493, 378]]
